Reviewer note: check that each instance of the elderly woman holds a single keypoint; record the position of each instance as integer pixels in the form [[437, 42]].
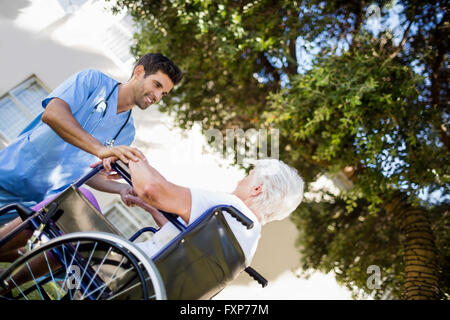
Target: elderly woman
[[270, 192]]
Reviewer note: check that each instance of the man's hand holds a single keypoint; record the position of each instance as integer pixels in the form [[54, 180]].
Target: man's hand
[[122, 152], [59, 117], [133, 153]]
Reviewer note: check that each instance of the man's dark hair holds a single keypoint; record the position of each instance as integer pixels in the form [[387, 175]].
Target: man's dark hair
[[154, 62]]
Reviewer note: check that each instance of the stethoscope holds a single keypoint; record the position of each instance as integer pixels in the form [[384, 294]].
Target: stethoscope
[[104, 105]]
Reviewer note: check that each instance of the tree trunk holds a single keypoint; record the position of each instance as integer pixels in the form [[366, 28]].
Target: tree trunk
[[420, 281], [419, 249]]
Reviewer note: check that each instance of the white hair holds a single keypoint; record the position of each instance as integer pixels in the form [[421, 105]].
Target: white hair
[[282, 189]]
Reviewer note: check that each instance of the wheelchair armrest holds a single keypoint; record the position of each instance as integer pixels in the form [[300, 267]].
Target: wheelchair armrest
[[255, 275], [141, 231], [239, 216]]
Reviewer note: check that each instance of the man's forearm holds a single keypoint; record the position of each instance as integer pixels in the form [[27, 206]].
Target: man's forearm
[[58, 116]]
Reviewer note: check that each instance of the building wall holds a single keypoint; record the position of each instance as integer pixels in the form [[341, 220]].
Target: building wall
[[57, 45]]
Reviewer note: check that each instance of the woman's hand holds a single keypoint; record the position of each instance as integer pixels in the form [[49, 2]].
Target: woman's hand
[[107, 171], [128, 196]]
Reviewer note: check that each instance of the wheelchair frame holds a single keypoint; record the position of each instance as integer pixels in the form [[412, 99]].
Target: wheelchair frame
[[42, 224]]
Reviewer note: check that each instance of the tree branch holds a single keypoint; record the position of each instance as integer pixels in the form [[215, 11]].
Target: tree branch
[[358, 21], [269, 67], [292, 57], [400, 45], [440, 41]]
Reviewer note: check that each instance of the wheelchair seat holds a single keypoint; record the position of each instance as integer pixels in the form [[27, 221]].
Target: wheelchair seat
[[76, 213], [200, 261]]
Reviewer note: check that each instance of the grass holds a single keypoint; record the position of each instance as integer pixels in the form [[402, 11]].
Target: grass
[[50, 288]]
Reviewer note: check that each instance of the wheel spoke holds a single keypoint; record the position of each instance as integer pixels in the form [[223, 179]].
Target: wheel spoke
[[96, 272], [112, 277], [34, 279], [105, 266], [18, 287], [71, 262]]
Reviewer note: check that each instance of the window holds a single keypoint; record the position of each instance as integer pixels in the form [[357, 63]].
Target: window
[[19, 106], [113, 32], [118, 39], [70, 6], [129, 220]]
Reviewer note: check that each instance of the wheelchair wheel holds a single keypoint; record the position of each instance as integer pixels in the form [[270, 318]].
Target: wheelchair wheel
[[83, 266]]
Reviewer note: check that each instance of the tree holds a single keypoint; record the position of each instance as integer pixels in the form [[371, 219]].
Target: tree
[[370, 110]]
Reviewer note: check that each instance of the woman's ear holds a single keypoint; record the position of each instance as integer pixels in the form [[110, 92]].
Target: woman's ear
[[256, 190]]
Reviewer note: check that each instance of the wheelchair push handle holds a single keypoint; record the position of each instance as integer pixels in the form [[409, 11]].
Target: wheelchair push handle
[[256, 276], [239, 216], [24, 212], [118, 166], [122, 169]]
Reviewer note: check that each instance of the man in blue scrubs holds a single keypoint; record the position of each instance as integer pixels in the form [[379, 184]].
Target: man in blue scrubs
[[87, 117]]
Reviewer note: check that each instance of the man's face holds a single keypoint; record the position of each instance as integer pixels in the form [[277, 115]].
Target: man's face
[[151, 89]]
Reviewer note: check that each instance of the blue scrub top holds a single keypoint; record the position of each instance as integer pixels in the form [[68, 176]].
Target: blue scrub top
[[38, 163]]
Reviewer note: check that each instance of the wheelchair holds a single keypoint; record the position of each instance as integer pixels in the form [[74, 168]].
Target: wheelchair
[[75, 253]]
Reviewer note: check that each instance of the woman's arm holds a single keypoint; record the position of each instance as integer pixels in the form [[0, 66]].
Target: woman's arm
[[154, 189], [159, 218]]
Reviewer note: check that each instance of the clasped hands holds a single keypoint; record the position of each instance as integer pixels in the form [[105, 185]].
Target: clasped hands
[[109, 155]]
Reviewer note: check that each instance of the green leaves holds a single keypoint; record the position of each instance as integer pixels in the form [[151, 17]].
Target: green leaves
[[339, 98], [359, 109]]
